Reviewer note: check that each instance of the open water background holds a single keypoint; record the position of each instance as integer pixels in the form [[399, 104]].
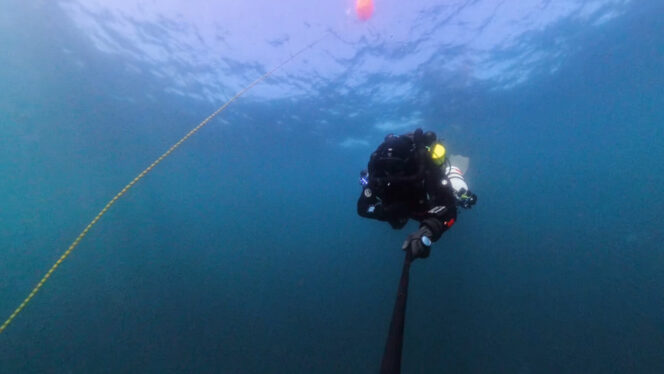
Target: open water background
[[242, 252]]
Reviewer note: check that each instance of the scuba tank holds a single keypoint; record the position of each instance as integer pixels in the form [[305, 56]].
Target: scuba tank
[[455, 178]]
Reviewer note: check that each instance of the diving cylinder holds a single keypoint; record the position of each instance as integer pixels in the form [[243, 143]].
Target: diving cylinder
[[455, 178]]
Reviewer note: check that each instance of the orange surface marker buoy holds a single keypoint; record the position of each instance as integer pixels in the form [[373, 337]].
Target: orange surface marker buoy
[[364, 9]]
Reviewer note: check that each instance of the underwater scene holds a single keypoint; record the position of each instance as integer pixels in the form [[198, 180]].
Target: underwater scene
[[348, 186]]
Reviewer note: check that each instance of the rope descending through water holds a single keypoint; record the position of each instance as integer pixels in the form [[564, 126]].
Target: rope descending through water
[[138, 178]]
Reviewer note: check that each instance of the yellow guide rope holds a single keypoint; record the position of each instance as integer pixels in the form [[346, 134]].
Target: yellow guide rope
[[139, 177]]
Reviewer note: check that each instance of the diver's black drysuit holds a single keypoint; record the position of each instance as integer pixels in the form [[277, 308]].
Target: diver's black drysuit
[[404, 183]]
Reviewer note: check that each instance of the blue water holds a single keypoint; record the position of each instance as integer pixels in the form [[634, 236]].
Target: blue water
[[243, 253]]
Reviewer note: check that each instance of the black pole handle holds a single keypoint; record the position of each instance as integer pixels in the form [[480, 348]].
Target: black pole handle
[[392, 356]]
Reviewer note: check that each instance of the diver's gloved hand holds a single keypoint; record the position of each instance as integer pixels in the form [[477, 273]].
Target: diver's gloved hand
[[419, 242], [466, 198]]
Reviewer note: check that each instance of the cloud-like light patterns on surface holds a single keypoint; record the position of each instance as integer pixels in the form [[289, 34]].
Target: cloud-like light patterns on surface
[[209, 50]]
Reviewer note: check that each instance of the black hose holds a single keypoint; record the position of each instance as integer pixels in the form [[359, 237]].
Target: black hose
[[392, 356]]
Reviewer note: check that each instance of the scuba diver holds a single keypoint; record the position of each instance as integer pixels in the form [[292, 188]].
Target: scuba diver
[[409, 177]]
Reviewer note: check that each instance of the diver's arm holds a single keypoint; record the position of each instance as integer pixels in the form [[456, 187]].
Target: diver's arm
[[464, 198], [440, 217], [367, 204], [370, 206]]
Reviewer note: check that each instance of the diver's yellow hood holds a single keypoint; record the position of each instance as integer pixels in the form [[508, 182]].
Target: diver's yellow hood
[[438, 154]]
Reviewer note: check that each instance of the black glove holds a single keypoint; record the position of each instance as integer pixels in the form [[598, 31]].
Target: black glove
[[466, 198], [419, 242]]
